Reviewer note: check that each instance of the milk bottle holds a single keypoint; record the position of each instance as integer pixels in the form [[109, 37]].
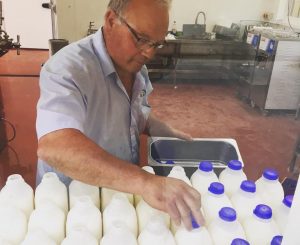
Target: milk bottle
[[232, 176], [199, 235], [213, 201], [178, 172], [38, 237], [52, 189], [84, 213], [137, 198], [120, 210], [226, 228], [107, 194], [269, 188], [79, 235], [145, 213], [203, 176], [260, 227], [49, 218], [245, 200], [4, 241], [239, 241], [277, 240], [13, 224], [156, 233], [119, 234], [18, 193], [281, 213], [78, 188]]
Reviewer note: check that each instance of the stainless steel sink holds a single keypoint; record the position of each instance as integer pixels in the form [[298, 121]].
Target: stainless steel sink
[[164, 153]]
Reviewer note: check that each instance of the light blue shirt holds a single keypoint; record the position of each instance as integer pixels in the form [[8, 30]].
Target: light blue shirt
[[80, 89]]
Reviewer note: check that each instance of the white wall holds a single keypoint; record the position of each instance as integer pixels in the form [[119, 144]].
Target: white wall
[[29, 20]]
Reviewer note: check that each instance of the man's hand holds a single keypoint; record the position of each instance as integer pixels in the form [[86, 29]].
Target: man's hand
[[174, 197]]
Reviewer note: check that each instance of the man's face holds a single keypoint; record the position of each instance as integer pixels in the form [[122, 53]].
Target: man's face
[[132, 37]]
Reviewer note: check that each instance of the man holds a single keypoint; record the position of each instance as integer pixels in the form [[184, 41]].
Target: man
[[93, 107]]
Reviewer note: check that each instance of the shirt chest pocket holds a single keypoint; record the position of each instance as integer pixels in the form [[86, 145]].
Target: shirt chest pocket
[[141, 112]]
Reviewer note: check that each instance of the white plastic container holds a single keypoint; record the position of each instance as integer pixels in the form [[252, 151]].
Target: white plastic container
[[18, 193], [245, 200], [137, 198], [119, 234], [86, 214], [78, 189], [79, 235], [203, 177], [52, 189], [120, 210], [49, 218], [213, 201], [232, 176], [178, 172], [4, 241], [199, 235], [13, 224], [239, 241], [38, 237], [277, 240], [156, 233], [107, 194], [260, 227], [226, 228], [269, 188], [145, 213], [281, 213]]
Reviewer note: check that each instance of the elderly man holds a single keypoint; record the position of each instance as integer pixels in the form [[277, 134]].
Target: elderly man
[[93, 107]]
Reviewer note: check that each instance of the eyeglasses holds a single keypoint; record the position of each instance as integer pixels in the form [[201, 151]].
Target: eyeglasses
[[141, 43]]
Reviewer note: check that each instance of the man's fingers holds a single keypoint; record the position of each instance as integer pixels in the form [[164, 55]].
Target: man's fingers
[[185, 214], [174, 213]]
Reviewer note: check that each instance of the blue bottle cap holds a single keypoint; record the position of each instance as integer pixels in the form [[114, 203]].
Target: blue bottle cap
[[239, 241], [195, 225], [248, 186], [227, 214], [276, 240], [287, 201], [169, 162], [263, 211], [216, 188], [235, 165], [206, 166], [270, 174]]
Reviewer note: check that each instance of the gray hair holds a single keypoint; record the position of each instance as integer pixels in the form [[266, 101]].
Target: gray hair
[[119, 5]]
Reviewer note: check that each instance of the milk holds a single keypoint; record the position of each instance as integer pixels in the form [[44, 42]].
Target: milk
[[203, 176], [145, 213], [213, 201], [232, 176], [137, 198], [156, 233], [245, 200], [277, 240], [239, 241], [281, 213], [52, 189], [78, 189], [18, 193], [260, 227], [38, 237], [225, 228], [269, 188], [119, 234], [13, 224], [79, 235], [107, 194], [86, 214], [49, 218], [120, 210]]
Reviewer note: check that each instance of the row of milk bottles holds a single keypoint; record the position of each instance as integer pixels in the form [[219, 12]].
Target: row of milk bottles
[[235, 210]]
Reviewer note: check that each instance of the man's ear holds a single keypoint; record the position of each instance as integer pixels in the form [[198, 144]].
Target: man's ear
[[110, 18]]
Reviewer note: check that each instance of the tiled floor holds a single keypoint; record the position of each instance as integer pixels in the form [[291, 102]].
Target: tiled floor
[[203, 110]]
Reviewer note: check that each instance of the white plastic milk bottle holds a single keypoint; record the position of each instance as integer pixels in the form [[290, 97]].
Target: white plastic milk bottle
[[52, 189], [107, 194], [38, 237], [203, 177], [4, 241], [226, 228], [281, 213], [18, 193], [156, 233], [245, 200], [119, 234], [269, 188], [78, 188], [120, 210], [79, 235], [86, 214], [232, 176], [213, 201], [260, 227]]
